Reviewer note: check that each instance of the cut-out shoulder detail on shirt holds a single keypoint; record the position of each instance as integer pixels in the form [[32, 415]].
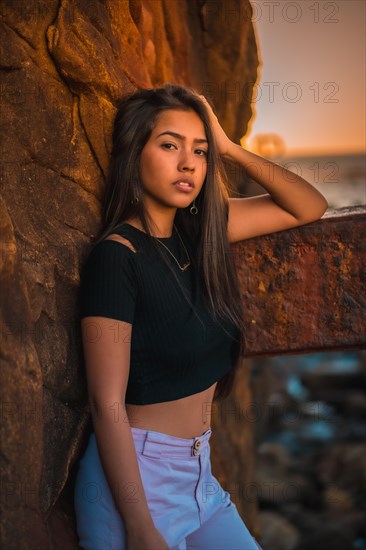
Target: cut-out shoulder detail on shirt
[[122, 240]]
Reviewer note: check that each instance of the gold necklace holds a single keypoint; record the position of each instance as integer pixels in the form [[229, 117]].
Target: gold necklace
[[187, 264]]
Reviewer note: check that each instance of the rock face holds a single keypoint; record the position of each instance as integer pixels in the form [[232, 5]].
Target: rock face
[[64, 65]]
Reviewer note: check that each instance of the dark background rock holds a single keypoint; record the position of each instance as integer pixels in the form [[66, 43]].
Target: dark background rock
[[310, 458], [63, 67], [279, 533]]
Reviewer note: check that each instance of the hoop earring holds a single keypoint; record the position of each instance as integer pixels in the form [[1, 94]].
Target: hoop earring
[[194, 210], [135, 200]]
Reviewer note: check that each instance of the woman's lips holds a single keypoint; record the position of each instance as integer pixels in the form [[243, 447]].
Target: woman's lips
[[183, 186]]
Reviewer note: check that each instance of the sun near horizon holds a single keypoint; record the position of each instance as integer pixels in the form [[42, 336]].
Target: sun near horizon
[[310, 90]]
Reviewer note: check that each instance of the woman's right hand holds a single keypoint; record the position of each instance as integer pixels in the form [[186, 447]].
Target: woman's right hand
[[153, 540]]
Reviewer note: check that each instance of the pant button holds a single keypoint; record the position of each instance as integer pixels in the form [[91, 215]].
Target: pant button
[[196, 447]]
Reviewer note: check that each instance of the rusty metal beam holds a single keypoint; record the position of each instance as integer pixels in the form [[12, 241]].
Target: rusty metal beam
[[303, 289]]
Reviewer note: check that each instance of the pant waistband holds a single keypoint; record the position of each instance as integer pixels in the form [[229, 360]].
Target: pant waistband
[[157, 444]]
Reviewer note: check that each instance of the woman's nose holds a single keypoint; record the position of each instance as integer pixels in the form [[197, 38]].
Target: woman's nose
[[187, 161]]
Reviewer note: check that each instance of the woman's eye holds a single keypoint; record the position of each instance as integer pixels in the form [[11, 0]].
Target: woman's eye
[[168, 145]]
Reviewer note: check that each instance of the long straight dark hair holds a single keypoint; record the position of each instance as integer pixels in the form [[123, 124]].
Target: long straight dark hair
[[134, 121]]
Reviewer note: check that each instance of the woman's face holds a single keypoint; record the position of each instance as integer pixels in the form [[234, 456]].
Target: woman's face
[[177, 149]]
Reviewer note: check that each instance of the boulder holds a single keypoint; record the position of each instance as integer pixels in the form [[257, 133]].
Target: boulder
[[64, 66]]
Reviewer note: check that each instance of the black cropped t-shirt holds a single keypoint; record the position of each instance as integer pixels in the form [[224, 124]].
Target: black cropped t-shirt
[[173, 353]]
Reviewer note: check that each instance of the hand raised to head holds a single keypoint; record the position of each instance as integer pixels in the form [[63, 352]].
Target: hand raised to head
[[222, 141]]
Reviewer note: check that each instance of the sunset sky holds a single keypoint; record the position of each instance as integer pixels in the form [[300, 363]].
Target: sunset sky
[[312, 52]]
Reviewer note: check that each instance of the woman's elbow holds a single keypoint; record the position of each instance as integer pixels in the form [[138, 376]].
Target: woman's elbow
[[323, 206], [318, 210]]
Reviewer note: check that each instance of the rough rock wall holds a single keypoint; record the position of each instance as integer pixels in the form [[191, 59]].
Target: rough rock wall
[[64, 65]]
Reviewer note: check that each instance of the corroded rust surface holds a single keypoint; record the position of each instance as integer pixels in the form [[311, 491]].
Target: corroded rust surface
[[303, 289]]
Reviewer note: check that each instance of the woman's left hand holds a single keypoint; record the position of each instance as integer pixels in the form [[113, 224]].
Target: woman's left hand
[[222, 141]]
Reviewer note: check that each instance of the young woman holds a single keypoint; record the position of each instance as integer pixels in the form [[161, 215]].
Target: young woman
[[162, 323]]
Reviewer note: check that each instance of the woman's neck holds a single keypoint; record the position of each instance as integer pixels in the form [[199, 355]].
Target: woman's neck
[[163, 230]]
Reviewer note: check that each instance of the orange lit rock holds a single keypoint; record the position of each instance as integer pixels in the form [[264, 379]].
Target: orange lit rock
[[64, 65]]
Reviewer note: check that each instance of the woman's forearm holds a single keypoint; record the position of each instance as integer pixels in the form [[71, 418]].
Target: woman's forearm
[[287, 189], [119, 460]]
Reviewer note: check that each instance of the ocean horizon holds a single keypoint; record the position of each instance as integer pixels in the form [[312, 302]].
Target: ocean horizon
[[340, 177]]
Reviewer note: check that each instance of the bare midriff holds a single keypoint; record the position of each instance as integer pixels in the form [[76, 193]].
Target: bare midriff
[[187, 417]]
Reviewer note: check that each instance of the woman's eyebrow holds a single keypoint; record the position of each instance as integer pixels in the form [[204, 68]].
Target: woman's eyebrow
[[182, 138]]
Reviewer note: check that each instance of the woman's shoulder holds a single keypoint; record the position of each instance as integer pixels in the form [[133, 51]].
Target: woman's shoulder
[[108, 284], [110, 253], [115, 237], [117, 241]]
